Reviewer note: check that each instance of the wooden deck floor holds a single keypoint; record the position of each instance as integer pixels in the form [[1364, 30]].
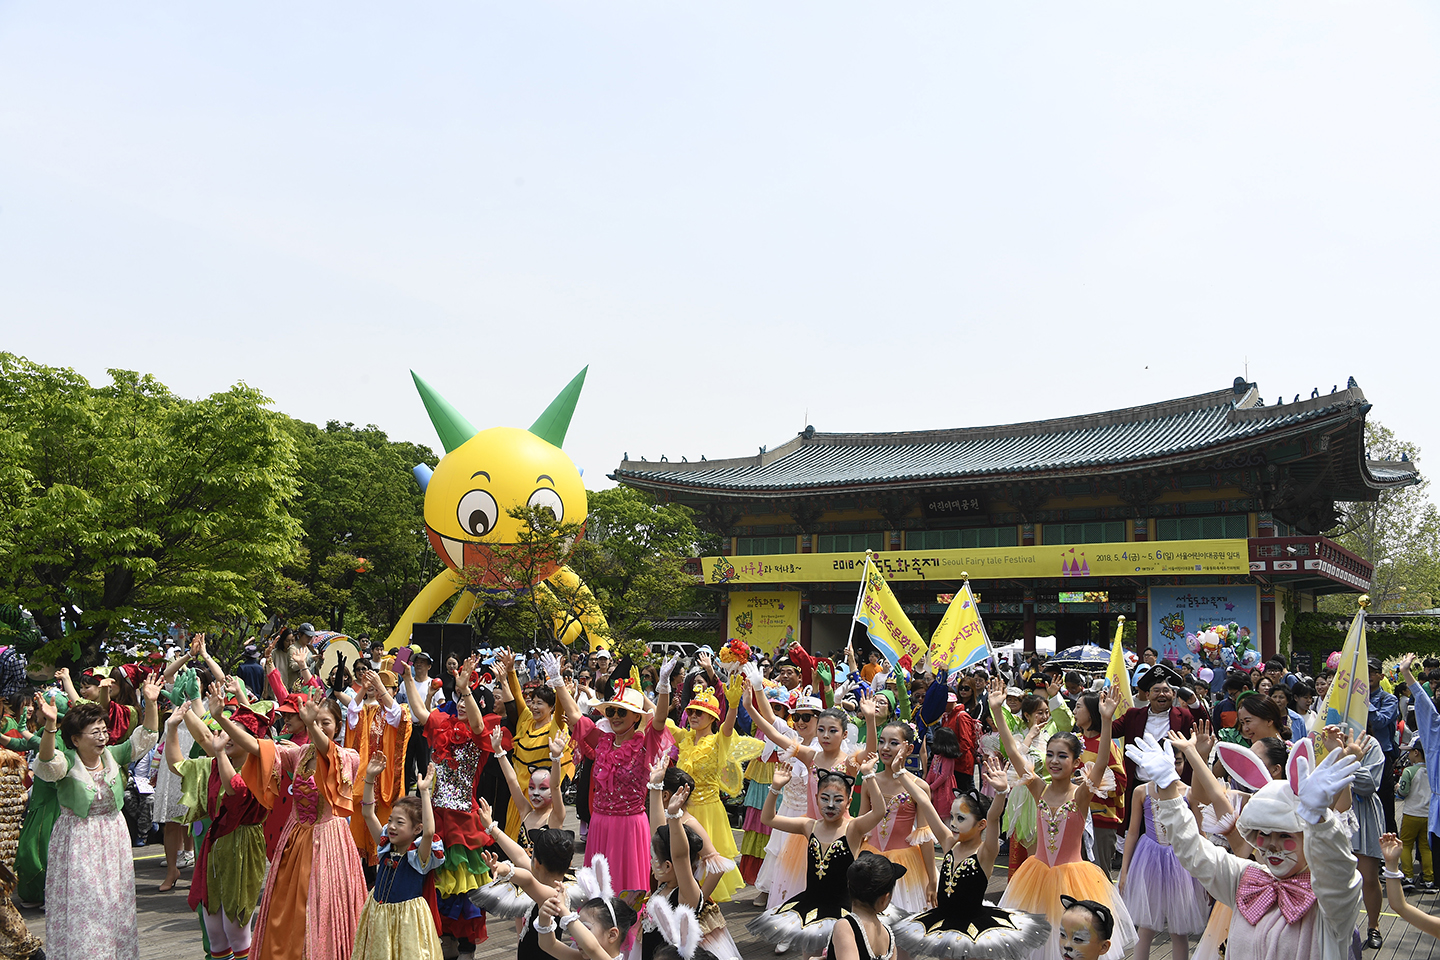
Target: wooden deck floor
[[169, 931]]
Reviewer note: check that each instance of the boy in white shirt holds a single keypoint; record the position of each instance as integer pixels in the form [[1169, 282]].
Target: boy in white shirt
[[1414, 788]]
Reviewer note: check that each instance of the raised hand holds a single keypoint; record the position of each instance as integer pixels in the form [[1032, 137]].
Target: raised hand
[[1052, 688], [297, 657], [658, 768], [678, 798], [485, 821], [1154, 762], [557, 745], [1204, 738], [868, 709], [467, 670], [550, 663], [868, 765], [150, 688], [177, 716], [995, 693], [1186, 745], [994, 774], [428, 783], [1318, 789], [1390, 848], [666, 669], [505, 660], [1407, 667], [497, 739], [1333, 736], [780, 776], [216, 695], [309, 711], [376, 766], [1109, 703], [46, 710]]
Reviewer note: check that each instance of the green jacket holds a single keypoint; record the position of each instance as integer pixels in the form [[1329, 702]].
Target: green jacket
[[75, 788]]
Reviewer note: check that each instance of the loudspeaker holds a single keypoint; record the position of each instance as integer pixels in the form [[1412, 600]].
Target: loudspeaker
[[444, 640]]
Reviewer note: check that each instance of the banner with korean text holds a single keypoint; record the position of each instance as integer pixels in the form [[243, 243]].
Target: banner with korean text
[[960, 641], [885, 622], [1349, 699], [768, 621]]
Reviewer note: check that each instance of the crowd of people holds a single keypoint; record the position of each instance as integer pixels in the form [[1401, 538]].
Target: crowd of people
[[396, 808]]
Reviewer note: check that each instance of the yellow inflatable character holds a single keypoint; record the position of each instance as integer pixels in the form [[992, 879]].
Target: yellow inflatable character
[[484, 475]]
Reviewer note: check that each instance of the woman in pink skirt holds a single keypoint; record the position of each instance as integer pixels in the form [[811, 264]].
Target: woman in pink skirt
[[315, 889], [623, 745]]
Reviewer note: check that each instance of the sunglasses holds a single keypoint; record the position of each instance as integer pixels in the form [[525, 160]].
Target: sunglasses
[[698, 713], [804, 717], [614, 713]]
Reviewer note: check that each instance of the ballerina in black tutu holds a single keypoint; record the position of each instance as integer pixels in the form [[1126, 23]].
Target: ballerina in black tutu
[[832, 841], [962, 925]]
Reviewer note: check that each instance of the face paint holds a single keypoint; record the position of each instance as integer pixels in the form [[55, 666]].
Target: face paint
[[539, 790], [1280, 853], [833, 803], [1078, 939]]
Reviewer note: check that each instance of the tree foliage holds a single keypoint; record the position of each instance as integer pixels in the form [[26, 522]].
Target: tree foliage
[[123, 507], [1399, 533]]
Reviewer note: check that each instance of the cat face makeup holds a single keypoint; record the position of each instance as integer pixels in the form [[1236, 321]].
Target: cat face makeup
[[1283, 854], [833, 802], [1079, 940]]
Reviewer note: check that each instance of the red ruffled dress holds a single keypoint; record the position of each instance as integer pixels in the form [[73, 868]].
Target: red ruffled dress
[[459, 755]]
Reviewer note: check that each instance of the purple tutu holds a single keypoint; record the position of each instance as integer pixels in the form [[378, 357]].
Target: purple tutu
[[1158, 892], [625, 842]]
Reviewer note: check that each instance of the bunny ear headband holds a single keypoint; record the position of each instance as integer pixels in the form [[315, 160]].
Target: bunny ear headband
[[678, 925], [594, 882], [1274, 807]]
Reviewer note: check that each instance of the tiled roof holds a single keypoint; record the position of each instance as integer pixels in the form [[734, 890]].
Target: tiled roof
[[1205, 424]]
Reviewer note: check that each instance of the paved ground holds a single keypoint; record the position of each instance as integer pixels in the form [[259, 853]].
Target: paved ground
[[169, 931]]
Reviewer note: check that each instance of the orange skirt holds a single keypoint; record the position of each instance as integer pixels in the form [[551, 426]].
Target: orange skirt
[[1036, 888]]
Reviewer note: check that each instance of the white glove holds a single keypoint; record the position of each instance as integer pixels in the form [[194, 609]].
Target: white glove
[[751, 670], [1320, 787], [1154, 762], [662, 685], [550, 663]]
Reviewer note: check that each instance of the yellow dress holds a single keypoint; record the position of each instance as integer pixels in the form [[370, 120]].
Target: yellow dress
[[531, 749], [714, 760]]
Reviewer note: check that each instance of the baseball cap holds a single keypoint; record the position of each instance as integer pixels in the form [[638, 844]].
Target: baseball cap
[[306, 629]]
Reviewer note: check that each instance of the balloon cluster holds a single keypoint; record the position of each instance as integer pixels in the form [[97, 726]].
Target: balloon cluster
[[1226, 642]]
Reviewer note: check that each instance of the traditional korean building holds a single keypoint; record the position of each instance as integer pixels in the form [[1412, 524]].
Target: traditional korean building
[[1205, 509]]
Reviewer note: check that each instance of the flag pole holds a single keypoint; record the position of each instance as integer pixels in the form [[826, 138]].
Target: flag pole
[[859, 598]]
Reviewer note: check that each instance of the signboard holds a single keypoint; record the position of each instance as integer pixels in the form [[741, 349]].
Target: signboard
[[1176, 611], [952, 504], [768, 621], [1156, 558]]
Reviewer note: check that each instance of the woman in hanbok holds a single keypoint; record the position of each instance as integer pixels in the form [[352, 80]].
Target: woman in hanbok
[[315, 888], [90, 883]]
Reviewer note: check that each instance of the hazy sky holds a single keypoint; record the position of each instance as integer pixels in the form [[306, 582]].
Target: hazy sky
[[744, 217]]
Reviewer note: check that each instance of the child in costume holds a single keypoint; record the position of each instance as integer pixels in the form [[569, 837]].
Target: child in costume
[[1085, 929], [673, 853], [898, 836], [539, 723], [712, 753], [962, 925], [230, 864], [599, 927], [767, 700], [1158, 892], [525, 877], [396, 923], [1056, 866], [315, 888], [460, 738], [806, 919], [664, 781], [1302, 898], [861, 934], [375, 722], [536, 798]]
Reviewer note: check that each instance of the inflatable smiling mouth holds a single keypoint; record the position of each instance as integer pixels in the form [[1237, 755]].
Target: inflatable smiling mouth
[[489, 565]]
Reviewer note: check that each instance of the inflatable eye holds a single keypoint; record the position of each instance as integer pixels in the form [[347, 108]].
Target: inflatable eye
[[547, 499], [478, 513]]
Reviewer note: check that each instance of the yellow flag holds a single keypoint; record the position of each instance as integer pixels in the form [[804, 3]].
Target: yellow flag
[[885, 622], [1116, 675], [1349, 700], [960, 641]]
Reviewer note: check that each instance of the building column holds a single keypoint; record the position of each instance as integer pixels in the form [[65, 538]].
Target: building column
[[1267, 623], [1029, 628], [805, 624]]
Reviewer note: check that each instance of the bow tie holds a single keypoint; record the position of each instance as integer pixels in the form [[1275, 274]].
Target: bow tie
[[1259, 891]]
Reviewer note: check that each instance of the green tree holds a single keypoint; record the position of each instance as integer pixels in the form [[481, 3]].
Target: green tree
[[364, 553], [632, 558], [1399, 533], [126, 507]]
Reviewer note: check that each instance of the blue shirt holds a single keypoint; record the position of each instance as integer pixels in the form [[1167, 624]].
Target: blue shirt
[[1384, 714], [1427, 723]]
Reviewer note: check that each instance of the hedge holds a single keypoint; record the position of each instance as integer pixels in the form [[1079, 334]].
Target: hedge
[[1323, 633]]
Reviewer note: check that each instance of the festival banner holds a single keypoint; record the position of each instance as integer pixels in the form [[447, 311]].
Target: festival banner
[[768, 621], [960, 641], [1163, 557], [885, 622], [1349, 700], [1116, 675], [1177, 611]]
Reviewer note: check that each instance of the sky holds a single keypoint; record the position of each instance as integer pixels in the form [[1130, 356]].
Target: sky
[[744, 217]]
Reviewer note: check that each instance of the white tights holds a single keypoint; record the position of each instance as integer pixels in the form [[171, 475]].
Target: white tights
[[225, 934]]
